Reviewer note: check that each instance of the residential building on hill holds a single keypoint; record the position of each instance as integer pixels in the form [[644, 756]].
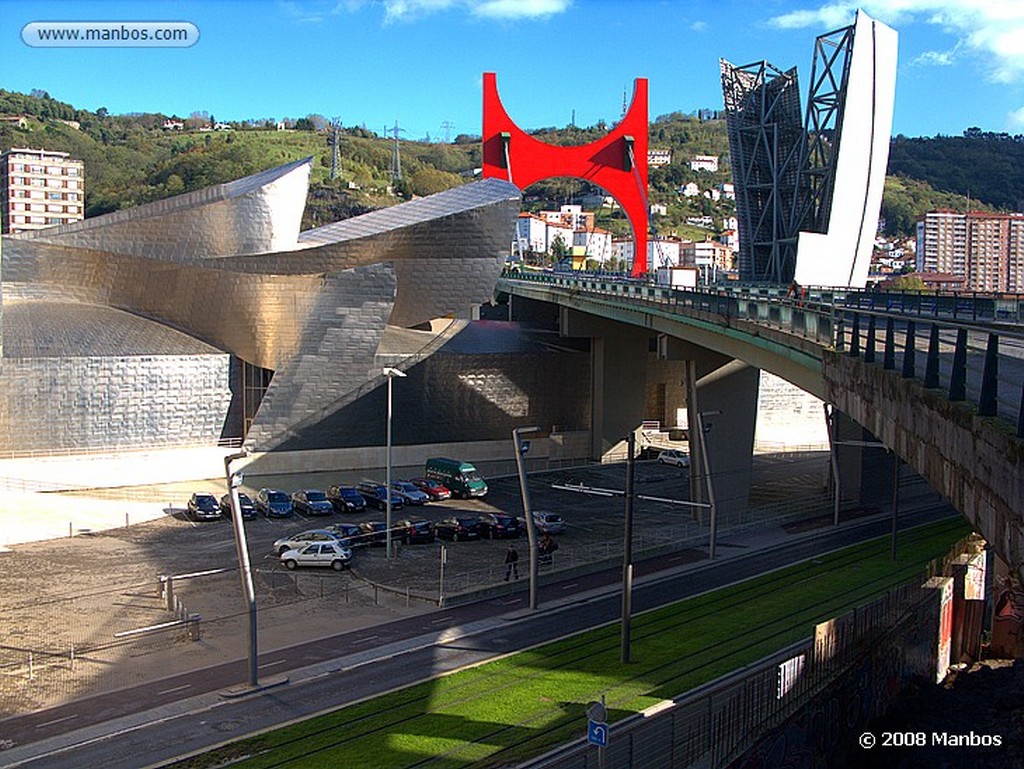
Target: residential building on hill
[[986, 250], [39, 188], [704, 163], [656, 157]]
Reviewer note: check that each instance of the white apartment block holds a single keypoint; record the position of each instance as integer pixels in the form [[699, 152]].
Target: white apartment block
[[531, 233], [571, 215], [704, 163], [663, 252], [555, 231], [596, 242], [657, 157], [39, 188]]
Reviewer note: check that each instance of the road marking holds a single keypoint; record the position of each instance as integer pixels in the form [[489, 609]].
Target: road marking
[[56, 721], [510, 601], [440, 620], [570, 587], [175, 689], [367, 639], [271, 664]]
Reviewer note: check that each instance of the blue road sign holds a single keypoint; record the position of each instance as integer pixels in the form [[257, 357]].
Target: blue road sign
[[597, 733]]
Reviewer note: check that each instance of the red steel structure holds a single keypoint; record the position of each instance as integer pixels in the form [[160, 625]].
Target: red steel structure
[[617, 163]]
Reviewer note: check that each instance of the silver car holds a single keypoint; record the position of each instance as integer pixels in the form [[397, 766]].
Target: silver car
[[332, 554], [545, 522], [674, 457], [301, 539]]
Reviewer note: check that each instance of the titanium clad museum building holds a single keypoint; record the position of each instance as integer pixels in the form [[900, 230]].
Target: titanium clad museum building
[[210, 316]]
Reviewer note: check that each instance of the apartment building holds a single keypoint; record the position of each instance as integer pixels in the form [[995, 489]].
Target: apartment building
[[985, 249], [39, 188]]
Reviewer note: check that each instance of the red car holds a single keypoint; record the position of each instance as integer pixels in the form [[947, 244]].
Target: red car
[[431, 488]]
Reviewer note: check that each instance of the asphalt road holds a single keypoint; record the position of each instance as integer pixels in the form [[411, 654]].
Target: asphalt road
[[118, 728]]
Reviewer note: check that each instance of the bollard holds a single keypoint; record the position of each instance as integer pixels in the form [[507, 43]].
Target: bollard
[[70, 530], [192, 625], [126, 520], [72, 658], [375, 596]]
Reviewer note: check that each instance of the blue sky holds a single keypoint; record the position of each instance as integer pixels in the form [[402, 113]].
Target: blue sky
[[419, 62]]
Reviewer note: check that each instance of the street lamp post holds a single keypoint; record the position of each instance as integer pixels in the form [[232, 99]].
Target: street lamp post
[[531, 535], [627, 550], [390, 373], [244, 568], [713, 522]]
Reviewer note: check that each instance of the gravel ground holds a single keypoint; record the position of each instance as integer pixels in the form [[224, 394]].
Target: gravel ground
[[63, 602]]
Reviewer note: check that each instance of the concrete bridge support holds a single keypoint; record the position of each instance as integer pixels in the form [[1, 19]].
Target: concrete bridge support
[[619, 357], [724, 391], [865, 464]]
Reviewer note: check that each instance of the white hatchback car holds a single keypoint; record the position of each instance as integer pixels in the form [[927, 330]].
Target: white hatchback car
[[332, 554], [674, 457]]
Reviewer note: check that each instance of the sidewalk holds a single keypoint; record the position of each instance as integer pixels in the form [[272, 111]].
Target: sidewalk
[[96, 493]]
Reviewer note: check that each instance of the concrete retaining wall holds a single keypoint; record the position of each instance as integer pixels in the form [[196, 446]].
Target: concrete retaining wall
[[974, 462]]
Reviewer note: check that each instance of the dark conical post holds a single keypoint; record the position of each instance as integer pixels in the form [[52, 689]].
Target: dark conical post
[[958, 377], [909, 351], [889, 357], [931, 370], [988, 404], [855, 336], [869, 345]]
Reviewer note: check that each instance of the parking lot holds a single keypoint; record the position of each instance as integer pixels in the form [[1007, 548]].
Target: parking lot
[[74, 607]]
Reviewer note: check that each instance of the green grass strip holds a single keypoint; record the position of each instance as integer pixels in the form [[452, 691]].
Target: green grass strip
[[529, 702]]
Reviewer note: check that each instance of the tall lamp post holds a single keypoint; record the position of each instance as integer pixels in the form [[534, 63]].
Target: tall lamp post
[[531, 535], [248, 587], [390, 373]]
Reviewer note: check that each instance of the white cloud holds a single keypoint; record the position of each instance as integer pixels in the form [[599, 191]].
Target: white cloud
[[405, 10], [699, 26], [1016, 119], [992, 30]]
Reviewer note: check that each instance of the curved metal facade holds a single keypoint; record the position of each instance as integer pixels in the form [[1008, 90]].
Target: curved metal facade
[[227, 267]]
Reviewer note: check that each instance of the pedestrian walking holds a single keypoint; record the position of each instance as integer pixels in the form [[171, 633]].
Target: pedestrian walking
[[511, 562], [546, 547]]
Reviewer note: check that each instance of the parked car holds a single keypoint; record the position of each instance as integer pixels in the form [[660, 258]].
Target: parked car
[[333, 554], [674, 457], [409, 494], [458, 528], [375, 495], [245, 505], [374, 533], [545, 522], [349, 534], [498, 526], [311, 502], [296, 541], [433, 489], [203, 507], [460, 477], [273, 503], [346, 499], [411, 531]]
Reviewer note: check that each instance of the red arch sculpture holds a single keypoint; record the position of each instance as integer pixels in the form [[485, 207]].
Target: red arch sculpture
[[510, 153]]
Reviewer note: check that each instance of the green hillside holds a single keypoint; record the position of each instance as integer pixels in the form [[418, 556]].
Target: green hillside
[[131, 159]]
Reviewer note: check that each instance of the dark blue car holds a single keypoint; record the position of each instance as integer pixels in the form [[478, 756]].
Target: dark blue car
[[274, 503]]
